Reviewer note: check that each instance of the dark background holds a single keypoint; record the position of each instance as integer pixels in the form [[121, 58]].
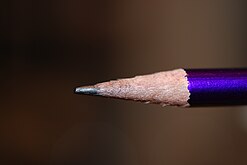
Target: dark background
[[49, 47]]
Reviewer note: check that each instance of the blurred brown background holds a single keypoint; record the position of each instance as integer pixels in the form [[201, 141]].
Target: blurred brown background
[[49, 47]]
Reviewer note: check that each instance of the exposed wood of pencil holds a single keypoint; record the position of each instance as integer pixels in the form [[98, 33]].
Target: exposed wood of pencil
[[165, 88]]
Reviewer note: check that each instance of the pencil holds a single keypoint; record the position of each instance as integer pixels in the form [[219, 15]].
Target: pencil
[[179, 87]]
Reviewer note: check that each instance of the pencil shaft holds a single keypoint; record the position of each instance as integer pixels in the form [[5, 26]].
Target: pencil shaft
[[217, 87]]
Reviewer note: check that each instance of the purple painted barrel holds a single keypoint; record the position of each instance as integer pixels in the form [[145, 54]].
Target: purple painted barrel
[[217, 87]]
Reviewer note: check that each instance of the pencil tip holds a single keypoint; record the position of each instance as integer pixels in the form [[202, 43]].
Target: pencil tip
[[87, 90]]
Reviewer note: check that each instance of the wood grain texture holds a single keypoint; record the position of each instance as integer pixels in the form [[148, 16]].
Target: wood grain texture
[[165, 88]]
